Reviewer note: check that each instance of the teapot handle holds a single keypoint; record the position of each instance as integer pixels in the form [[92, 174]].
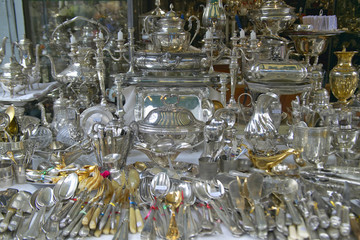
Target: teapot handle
[[197, 26], [148, 22]]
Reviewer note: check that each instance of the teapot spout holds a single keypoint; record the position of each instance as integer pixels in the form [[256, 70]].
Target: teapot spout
[[44, 121], [35, 70], [2, 49], [53, 68]]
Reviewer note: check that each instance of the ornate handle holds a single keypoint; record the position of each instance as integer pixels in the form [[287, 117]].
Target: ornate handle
[[173, 231], [62, 213], [139, 220], [5, 223], [74, 232], [15, 221], [148, 226], [35, 224], [293, 212], [260, 217], [197, 26], [148, 22], [69, 228], [247, 223], [280, 220], [132, 219], [94, 218], [104, 218]]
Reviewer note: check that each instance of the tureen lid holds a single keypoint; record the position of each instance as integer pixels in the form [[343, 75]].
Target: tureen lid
[[275, 7], [170, 119], [156, 12], [170, 18]]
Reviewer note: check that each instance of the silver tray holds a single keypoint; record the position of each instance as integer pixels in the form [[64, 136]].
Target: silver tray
[[182, 61], [315, 33], [96, 114], [173, 78]]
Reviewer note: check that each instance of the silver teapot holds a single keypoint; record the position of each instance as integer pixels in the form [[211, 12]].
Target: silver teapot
[[167, 34]]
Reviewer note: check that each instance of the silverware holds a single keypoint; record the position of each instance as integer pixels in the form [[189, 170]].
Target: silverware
[[254, 186], [238, 200], [17, 201], [159, 187]]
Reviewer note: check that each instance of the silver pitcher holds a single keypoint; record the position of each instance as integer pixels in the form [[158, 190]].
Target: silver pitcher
[[261, 131]]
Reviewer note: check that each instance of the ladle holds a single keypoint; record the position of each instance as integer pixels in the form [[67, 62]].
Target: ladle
[[159, 187], [173, 199]]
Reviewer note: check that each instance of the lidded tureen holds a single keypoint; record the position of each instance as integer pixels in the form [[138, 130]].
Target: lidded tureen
[[166, 131], [168, 33], [273, 16]]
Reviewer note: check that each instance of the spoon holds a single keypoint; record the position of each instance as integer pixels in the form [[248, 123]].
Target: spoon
[[289, 188], [63, 190], [190, 227], [57, 206], [254, 186], [215, 190], [159, 187], [174, 200], [43, 200], [206, 223], [237, 197]]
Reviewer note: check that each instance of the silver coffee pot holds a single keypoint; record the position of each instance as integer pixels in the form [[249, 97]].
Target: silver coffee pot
[[12, 79]]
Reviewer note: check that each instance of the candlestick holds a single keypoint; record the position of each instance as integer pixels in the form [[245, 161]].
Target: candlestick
[[130, 13], [208, 34], [242, 33], [120, 35], [101, 35], [252, 35], [72, 39]]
